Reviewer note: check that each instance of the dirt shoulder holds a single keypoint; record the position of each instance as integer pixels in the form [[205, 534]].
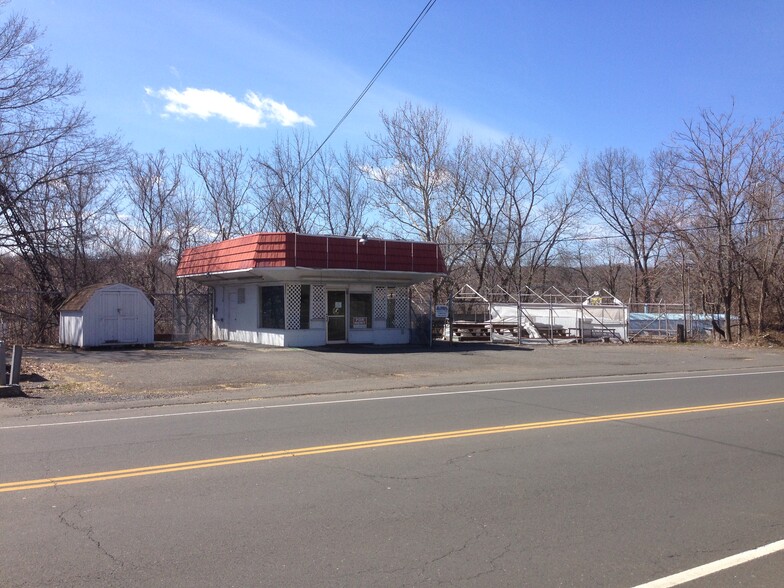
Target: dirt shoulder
[[55, 380]]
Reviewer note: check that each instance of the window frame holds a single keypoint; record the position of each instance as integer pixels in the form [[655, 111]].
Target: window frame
[[367, 301], [275, 316]]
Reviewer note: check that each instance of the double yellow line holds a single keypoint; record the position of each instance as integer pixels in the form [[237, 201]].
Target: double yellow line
[[370, 444]]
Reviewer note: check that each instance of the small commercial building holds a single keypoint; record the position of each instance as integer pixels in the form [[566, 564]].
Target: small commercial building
[[294, 290], [106, 315]]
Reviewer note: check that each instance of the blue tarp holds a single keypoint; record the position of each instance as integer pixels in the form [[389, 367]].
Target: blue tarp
[[667, 323]]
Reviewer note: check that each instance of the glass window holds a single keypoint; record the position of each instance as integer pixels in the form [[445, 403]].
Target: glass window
[[304, 307], [272, 310], [361, 311]]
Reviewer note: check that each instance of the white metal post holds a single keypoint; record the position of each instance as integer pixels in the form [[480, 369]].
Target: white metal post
[[431, 310], [3, 378]]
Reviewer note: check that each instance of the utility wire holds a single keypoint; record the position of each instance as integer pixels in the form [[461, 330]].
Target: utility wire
[[378, 73], [661, 233], [611, 237]]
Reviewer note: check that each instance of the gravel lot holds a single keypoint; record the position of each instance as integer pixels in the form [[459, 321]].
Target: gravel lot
[[57, 380]]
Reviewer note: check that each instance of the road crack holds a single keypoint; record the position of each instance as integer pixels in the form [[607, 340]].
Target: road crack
[[73, 518]]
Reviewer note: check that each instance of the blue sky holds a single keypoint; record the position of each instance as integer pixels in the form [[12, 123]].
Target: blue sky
[[591, 75]]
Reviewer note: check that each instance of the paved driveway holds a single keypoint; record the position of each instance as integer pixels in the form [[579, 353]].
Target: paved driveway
[[57, 379]]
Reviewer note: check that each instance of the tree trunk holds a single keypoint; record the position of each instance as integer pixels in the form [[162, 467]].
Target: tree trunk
[[728, 318], [763, 299]]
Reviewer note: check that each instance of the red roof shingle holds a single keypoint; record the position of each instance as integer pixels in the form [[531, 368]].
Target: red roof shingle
[[317, 252]]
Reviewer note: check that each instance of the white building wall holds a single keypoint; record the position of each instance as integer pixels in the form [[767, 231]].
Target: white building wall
[[391, 336], [237, 321]]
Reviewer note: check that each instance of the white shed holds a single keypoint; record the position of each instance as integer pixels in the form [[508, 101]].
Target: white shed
[[107, 314]]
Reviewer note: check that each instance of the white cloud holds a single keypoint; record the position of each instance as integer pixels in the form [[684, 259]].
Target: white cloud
[[254, 111]]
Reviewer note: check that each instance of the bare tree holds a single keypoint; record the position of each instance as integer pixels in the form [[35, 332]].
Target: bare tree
[[479, 211], [286, 186], [76, 210], [513, 211], [536, 215], [344, 197], [553, 225], [226, 178], [455, 244], [626, 194], [151, 193], [410, 173], [46, 142], [718, 166], [763, 233]]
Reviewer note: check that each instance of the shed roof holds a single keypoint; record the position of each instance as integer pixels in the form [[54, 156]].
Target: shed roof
[[77, 301], [291, 250]]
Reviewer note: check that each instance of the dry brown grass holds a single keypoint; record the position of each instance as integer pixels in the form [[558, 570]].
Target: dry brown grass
[[769, 339], [63, 378]]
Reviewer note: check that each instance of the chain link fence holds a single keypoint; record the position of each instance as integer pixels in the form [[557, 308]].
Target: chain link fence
[[421, 319], [183, 317], [25, 319], [662, 322]]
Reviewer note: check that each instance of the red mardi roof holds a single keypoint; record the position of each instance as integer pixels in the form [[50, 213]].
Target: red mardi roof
[[294, 250]]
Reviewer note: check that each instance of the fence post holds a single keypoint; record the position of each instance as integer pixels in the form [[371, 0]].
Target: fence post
[[451, 327], [552, 339], [430, 311], [3, 378]]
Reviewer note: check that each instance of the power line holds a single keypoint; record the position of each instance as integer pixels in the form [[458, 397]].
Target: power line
[[612, 237], [378, 73], [685, 230], [752, 221]]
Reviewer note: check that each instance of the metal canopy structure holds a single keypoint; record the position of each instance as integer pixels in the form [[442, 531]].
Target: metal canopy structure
[[550, 316]]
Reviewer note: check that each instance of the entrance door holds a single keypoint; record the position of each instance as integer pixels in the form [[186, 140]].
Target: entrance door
[[336, 316]]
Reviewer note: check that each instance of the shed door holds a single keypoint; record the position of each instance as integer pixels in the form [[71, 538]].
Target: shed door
[[110, 313], [127, 317], [119, 317]]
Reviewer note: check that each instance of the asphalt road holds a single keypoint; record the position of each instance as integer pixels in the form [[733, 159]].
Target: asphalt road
[[592, 482]]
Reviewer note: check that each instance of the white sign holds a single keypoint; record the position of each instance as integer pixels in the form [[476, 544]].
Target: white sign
[[442, 311]]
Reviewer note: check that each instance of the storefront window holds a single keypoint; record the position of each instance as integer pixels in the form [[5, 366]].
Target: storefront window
[[361, 311], [272, 310]]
